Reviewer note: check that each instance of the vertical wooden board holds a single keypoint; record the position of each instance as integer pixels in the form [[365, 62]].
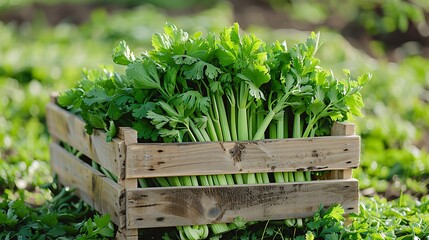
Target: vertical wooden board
[[343, 129], [162, 207], [70, 129], [322, 153], [127, 234], [93, 187]]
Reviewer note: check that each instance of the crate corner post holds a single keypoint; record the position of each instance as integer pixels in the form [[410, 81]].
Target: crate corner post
[[347, 129], [129, 136]]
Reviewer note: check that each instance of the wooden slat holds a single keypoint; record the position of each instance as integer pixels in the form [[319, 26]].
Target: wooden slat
[[161, 207], [342, 129], [322, 153], [93, 187], [127, 234], [70, 129]]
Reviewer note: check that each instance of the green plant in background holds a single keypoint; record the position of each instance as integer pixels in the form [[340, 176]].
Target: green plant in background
[[62, 217], [375, 16]]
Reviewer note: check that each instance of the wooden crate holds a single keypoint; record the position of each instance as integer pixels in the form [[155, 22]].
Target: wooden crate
[[132, 208]]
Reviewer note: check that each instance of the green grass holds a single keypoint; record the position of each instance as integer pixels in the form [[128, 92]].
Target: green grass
[[37, 59]]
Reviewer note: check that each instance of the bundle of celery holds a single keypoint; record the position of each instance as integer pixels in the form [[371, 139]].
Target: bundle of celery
[[217, 87]]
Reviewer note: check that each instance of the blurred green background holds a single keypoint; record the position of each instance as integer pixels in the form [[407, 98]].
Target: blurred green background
[[45, 44]]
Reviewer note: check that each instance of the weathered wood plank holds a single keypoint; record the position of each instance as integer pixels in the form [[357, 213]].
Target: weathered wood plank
[[93, 187], [322, 153], [159, 207], [127, 234], [70, 129], [342, 129]]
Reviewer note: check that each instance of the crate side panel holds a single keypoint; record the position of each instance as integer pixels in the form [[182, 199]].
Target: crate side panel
[[322, 153], [70, 129], [161, 207], [93, 187]]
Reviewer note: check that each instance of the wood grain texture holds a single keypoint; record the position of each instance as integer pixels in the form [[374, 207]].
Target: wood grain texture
[[205, 158], [70, 129], [127, 234], [342, 129], [159, 207], [93, 187]]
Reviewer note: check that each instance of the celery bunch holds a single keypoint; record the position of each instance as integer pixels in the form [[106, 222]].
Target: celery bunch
[[217, 87]]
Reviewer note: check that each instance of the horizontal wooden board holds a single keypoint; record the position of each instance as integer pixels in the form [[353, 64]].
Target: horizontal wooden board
[[93, 187], [162, 207], [205, 158], [70, 129]]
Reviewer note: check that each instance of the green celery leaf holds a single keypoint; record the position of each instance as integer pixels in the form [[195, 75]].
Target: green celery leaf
[[96, 95], [144, 74], [122, 54], [252, 49], [140, 110], [3, 217], [184, 60], [102, 221], [336, 212], [203, 105], [316, 107], [145, 130], [319, 93], [321, 77], [201, 122], [170, 80], [216, 87], [111, 132], [25, 232], [157, 119], [21, 210], [69, 97], [56, 232], [312, 43], [334, 115], [332, 236], [211, 71], [333, 94], [169, 109], [355, 104], [50, 219], [94, 120], [106, 232], [254, 78], [226, 58], [114, 112], [160, 42], [190, 99], [170, 133], [195, 71], [309, 236], [235, 36], [362, 80]]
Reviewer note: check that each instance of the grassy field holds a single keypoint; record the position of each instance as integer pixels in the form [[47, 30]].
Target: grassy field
[[38, 57]]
